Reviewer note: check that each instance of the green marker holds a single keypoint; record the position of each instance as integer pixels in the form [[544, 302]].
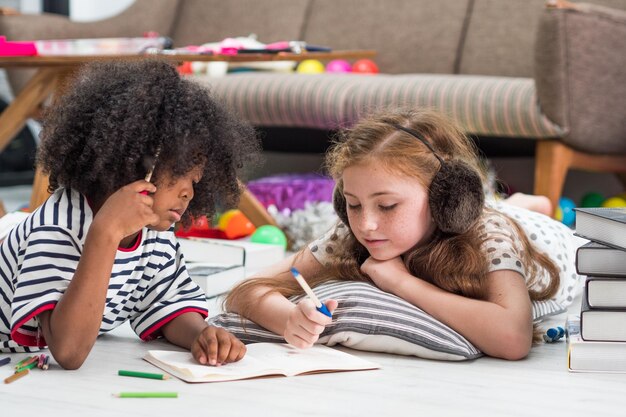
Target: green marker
[[147, 395], [137, 374], [29, 366]]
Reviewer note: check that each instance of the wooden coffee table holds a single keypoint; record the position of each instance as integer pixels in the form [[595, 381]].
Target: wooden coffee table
[[53, 71]]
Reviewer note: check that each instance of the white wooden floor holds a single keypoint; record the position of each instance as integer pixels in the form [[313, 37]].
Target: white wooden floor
[[537, 385]]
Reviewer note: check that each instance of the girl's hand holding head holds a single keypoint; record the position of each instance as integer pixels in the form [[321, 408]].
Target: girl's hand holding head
[[127, 211], [215, 346], [305, 323], [386, 274]]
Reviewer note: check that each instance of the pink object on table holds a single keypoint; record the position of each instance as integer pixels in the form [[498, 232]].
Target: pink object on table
[[16, 48]]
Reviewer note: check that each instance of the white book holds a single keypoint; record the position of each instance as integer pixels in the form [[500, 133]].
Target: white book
[[596, 259], [262, 359], [602, 325], [603, 225], [214, 252], [9, 221], [216, 279], [253, 256], [606, 292], [591, 356]]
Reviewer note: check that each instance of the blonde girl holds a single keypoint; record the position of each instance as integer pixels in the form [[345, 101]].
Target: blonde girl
[[414, 223]]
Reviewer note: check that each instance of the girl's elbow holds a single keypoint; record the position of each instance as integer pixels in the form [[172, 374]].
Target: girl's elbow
[[516, 347]]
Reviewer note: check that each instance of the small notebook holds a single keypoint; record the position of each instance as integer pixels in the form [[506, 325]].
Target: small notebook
[[262, 359]]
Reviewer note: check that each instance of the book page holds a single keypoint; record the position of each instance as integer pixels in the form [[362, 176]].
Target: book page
[[262, 359], [319, 358], [184, 366]]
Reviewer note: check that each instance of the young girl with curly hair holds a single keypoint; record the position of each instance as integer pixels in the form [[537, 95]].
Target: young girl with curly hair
[[414, 222], [101, 250]]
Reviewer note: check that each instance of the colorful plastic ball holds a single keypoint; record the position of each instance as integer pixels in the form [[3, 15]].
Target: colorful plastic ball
[[592, 199], [338, 65], [223, 220], [310, 66], [269, 234], [238, 226], [614, 202], [365, 66], [567, 206], [558, 214], [185, 68]]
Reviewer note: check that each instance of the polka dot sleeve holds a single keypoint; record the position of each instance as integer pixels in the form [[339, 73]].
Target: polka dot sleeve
[[501, 244], [553, 239]]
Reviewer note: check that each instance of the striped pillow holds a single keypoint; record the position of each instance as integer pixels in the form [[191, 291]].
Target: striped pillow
[[373, 320]]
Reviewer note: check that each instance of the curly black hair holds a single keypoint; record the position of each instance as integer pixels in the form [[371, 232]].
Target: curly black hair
[[98, 136]]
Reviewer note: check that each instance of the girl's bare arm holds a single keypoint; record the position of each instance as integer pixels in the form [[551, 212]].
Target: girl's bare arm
[[271, 309], [500, 326]]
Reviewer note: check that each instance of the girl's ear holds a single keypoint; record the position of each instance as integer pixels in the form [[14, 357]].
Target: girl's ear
[[339, 203]]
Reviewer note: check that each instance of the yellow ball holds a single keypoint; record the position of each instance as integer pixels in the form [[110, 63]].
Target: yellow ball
[[310, 66], [558, 214], [222, 224], [614, 202]]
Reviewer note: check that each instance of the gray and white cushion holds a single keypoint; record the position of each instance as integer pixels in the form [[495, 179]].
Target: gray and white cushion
[[370, 319]]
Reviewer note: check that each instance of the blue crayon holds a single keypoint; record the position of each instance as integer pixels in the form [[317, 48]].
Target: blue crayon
[[4, 361]]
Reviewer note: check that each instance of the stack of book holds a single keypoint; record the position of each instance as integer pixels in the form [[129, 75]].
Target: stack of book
[[597, 338], [217, 265]]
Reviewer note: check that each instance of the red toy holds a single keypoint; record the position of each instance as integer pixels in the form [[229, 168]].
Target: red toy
[[365, 66]]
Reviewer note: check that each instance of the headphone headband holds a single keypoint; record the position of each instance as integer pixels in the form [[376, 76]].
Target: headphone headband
[[420, 138]]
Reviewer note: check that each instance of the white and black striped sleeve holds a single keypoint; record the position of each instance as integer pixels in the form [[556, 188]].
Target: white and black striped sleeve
[[50, 258], [170, 293]]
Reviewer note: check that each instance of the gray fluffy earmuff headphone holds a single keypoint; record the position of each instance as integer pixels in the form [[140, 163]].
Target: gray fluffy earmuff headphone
[[456, 195]]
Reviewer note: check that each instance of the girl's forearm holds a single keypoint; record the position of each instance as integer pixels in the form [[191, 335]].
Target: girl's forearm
[[492, 328], [72, 327], [268, 309]]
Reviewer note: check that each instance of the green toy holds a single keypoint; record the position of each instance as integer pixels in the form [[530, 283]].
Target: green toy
[[270, 235]]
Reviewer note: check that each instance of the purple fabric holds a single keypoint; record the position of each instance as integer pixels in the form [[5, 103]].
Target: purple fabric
[[292, 191]]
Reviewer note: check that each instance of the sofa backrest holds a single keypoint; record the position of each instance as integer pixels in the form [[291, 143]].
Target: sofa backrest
[[500, 37], [202, 21], [409, 35]]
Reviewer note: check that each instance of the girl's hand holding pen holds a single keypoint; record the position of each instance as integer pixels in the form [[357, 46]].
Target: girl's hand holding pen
[[127, 211], [306, 323]]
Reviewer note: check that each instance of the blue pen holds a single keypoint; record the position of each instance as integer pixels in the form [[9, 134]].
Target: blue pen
[[318, 304], [4, 361]]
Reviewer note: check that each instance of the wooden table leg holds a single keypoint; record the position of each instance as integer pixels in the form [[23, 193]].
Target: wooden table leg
[[38, 88], [254, 210], [40, 192]]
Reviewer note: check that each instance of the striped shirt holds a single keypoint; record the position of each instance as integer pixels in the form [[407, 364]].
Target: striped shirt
[[149, 283]]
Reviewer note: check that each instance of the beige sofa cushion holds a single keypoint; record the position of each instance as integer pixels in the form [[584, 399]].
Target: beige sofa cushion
[[492, 106]]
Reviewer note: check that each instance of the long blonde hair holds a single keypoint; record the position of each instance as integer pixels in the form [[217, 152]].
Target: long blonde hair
[[451, 262]]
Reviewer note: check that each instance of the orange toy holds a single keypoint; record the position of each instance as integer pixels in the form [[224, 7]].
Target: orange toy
[[236, 225]]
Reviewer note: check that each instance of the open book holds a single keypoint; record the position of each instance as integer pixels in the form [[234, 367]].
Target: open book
[[262, 359]]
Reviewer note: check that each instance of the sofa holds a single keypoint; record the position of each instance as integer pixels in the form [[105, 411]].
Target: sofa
[[519, 71]]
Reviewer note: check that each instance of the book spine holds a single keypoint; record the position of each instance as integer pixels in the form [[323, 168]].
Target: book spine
[[605, 293], [601, 324]]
